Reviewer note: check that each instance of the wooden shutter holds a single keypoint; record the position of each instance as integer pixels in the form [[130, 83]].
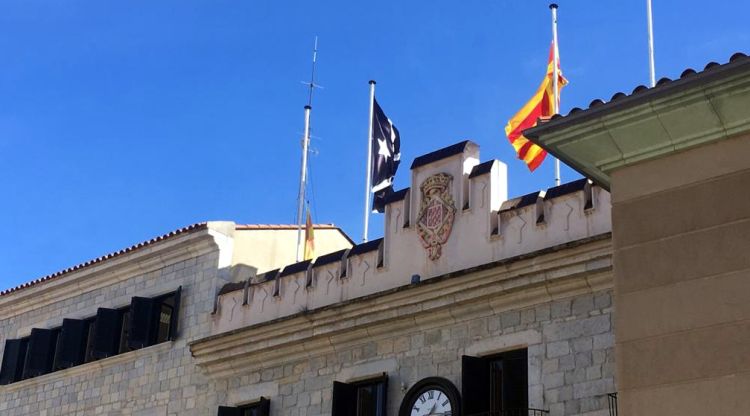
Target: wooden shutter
[[13, 359], [175, 315], [41, 352], [515, 388], [475, 385], [106, 333], [229, 411], [344, 399], [143, 322], [264, 407], [71, 349]]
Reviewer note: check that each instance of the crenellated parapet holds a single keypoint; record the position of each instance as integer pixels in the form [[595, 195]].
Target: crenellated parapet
[[455, 215]]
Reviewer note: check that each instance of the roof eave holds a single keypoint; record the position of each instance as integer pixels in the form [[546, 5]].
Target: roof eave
[[694, 110]]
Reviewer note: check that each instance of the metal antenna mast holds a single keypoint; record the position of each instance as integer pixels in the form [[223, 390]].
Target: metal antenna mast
[[305, 146]]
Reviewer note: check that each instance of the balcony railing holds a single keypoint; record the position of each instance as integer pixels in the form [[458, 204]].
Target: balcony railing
[[612, 404], [514, 412]]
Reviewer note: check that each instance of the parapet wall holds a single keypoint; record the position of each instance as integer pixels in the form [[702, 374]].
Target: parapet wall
[[458, 206]]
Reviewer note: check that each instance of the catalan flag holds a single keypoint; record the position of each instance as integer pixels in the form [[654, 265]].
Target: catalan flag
[[540, 105], [309, 238]]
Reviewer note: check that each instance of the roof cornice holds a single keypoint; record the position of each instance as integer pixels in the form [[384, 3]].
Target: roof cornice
[[155, 255]]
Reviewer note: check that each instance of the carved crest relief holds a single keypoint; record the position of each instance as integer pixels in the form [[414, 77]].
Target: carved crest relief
[[436, 213]]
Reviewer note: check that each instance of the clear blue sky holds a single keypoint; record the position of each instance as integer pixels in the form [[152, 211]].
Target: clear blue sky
[[120, 121]]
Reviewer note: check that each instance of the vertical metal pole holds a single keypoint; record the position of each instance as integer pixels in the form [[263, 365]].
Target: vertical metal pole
[[369, 163], [303, 180], [555, 79], [651, 63]]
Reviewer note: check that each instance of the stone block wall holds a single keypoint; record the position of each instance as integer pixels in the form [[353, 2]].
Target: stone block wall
[[157, 380], [570, 356]]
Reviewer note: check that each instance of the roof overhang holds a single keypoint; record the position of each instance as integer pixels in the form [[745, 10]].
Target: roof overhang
[[696, 109]]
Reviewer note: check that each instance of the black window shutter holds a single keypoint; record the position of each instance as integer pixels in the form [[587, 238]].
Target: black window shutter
[[13, 359], [383, 395], [475, 385], [344, 399], [515, 389], [71, 349], [41, 352], [175, 315], [229, 411], [264, 407], [107, 329], [143, 322]]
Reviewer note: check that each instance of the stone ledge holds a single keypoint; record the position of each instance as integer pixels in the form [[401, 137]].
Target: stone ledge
[[93, 366]]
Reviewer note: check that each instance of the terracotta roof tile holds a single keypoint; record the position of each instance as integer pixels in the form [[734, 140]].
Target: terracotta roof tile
[[183, 230]]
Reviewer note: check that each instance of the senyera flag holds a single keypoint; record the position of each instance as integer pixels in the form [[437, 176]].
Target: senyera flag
[[540, 105], [309, 238]]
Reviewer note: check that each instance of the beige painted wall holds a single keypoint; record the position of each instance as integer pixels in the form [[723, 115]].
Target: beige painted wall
[[681, 233], [268, 249]]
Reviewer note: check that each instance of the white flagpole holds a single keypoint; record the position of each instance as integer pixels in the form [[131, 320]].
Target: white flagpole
[[556, 87], [303, 180], [305, 146], [651, 64], [368, 174]]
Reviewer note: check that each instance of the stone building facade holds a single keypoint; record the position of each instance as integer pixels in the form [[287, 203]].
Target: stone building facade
[[676, 159], [159, 379], [462, 275], [529, 275], [471, 304]]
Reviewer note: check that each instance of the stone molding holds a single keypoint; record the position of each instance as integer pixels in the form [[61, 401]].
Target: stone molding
[[570, 270]]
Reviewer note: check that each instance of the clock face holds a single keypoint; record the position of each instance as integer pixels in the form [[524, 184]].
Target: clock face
[[432, 402], [432, 396]]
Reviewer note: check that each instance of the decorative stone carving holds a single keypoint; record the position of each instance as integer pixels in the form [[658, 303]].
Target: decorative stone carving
[[436, 213]]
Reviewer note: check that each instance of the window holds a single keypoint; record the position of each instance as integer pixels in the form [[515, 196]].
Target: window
[[260, 408], [496, 384], [364, 398], [145, 322]]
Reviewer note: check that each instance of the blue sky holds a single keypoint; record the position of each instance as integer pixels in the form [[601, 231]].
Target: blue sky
[[120, 121]]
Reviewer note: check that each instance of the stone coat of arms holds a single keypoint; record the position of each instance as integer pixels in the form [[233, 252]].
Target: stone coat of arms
[[436, 213]]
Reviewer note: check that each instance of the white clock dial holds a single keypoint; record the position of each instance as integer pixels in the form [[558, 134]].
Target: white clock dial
[[432, 402]]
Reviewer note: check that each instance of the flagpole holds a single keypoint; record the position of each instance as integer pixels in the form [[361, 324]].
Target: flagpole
[[303, 179], [651, 63], [555, 77], [368, 174], [305, 146]]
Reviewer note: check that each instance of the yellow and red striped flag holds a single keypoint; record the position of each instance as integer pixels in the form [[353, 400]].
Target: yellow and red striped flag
[[540, 105], [309, 238]]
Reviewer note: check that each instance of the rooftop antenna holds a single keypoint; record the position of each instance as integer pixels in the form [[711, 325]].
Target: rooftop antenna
[[305, 145]]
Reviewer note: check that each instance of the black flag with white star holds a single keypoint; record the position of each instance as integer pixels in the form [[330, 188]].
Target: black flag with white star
[[386, 155]]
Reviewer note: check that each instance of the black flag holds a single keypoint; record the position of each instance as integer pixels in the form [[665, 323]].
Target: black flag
[[386, 155]]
